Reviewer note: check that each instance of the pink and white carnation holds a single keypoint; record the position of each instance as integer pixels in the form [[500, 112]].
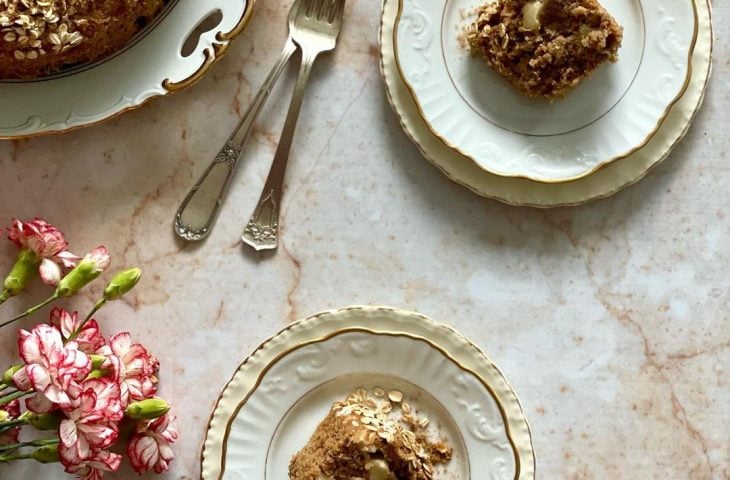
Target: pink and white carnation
[[51, 368], [93, 467], [99, 258], [150, 448], [10, 437], [86, 386], [89, 339], [134, 367], [48, 243], [91, 421]]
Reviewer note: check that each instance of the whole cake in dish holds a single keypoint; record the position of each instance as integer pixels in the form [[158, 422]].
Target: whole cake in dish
[[545, 47], [40, 37], [362, 438]]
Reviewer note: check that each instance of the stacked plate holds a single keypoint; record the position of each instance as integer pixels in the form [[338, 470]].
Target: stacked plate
[[607, 134]]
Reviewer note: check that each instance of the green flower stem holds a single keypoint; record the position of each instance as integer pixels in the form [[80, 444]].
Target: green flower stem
[[96, 308], [32, 310], [13, 423], [3, 386], [12, 458], [7, 425], [13, 396], [33, 443], [45, 454]]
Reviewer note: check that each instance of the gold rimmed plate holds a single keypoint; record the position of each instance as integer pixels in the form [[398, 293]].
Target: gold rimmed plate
[[281, 391], [153, 65], [604, 182], [607, 118]]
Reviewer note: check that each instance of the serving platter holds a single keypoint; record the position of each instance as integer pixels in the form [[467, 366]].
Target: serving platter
[[281, 391], [153, 66], [608, 117], [604, 182]]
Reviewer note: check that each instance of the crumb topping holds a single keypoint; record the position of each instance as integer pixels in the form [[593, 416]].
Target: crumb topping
[[32, 26], [39, 37]]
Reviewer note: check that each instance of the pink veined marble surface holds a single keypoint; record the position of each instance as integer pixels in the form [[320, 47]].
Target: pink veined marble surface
[[610, 320]]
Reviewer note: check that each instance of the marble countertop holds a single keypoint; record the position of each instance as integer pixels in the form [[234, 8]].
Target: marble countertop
[[610, 320]]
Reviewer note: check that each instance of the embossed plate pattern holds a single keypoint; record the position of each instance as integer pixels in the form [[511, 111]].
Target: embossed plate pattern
[[278, 395], [150, 68], [604, 182], [607, 118]]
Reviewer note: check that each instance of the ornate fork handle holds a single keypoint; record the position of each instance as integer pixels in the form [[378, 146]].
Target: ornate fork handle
[[262, 230], [199, 210]]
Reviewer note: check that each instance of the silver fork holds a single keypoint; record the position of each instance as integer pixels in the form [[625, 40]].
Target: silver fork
[[315, 30], [199, 210]]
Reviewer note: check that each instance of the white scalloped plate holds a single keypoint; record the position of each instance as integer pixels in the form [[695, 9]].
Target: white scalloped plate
[[152, 67], [607, 117], [517, 191], [275, 400]]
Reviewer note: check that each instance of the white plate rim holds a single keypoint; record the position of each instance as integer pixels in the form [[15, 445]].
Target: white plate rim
[[522, 192], [211, 48], [545, 180], [379, 320]]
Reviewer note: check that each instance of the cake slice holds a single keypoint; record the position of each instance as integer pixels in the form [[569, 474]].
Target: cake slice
[[362, 439], [545, 47]]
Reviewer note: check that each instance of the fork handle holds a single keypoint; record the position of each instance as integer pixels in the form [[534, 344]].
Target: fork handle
[[262, 230], [199, 210]]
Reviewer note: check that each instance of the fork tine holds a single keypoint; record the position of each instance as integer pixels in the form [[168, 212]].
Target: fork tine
[[338, 12], [330, 13], [295, 8], [308, 7], [324, 6]]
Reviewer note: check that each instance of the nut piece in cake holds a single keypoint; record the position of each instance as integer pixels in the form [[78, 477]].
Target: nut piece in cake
[[365, 438], [545, 47]]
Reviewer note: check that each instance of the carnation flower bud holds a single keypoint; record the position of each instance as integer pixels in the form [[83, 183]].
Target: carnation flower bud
[[4, 416], [44, 421], [148, 409], [8, 375], [25, 268], [98, 373], [85, 272], [122, 282], [46, 454], [96, 361]]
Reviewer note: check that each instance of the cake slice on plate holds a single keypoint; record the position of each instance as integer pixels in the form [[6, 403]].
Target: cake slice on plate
[[545, 47], [362, 439]]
